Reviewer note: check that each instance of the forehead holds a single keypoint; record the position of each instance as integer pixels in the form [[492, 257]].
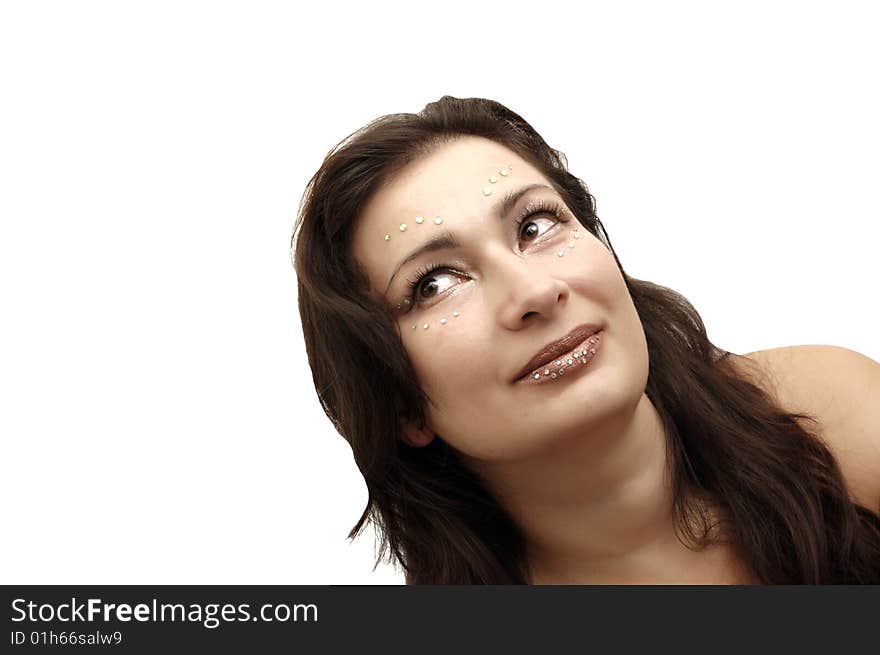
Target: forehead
[[448, 183]]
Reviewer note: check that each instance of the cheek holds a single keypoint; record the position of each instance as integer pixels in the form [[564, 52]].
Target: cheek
[[445, 356], [592, 271]]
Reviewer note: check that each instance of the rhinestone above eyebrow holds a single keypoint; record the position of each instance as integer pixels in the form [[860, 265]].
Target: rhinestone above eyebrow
[[455, 313], [442, 321], [420, 219], [493, 179], [438, 220], [403, 227], [387, 237], [560, 253], [487, 191]]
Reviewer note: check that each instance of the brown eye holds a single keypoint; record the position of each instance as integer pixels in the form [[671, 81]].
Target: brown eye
[[429, 289], [430, 286], [530, 228]]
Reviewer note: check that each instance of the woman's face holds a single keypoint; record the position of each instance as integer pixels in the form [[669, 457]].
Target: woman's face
[[496, 300]]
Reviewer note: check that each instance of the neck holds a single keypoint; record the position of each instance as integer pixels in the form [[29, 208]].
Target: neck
[[597, 503]]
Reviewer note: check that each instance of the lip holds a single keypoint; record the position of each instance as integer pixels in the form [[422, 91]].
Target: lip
[[555, 349]]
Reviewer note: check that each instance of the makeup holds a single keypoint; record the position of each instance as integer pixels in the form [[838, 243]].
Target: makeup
[[568, 365]]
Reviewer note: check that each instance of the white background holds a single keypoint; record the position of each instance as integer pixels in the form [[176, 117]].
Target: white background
[[158, 419]]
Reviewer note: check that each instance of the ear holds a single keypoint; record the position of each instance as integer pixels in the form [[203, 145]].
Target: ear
[[414, 435]]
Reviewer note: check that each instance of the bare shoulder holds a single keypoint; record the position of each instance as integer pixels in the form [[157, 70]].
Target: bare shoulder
[[841, 389]]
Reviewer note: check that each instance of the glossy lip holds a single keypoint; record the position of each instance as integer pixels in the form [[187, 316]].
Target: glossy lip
[[569, 365], [556, 348]]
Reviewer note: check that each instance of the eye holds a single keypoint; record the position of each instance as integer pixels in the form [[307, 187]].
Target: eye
[[433, 279], [428, 282], [531, 227], [550, 211]]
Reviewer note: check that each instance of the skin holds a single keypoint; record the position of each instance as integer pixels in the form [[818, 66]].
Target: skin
[[580, 462]]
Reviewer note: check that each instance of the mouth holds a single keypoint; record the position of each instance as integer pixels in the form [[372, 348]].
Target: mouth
[[575, 350]]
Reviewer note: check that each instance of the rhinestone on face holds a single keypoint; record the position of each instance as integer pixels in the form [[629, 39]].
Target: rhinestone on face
[[583, 360], [414, 326], [561, 371], [553, 375], [493, 179], [403, 227], [455, 313], [571, 245], [592, 352], [487, 191], [537, 376], [546, 371], [560, 253], [504, 172], [425, 326], [420, 219], [387, 237], [577, 235], [443, 321], [568, 361], [438, 220]]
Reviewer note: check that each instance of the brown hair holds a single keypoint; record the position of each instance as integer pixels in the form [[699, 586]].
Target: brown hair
[[779, 492]]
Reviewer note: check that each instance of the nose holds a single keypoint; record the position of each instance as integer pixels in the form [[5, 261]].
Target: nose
[[527, 291]]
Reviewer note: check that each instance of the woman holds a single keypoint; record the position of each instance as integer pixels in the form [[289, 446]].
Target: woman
[[521, 409]]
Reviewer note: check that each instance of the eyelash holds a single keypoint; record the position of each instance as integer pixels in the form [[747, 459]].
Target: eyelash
[[532, 209]]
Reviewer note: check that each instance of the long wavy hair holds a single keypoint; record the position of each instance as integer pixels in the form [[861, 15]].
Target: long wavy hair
[[780, 495]]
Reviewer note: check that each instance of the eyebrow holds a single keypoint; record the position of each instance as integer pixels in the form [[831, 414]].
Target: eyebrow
[[445, 240]]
